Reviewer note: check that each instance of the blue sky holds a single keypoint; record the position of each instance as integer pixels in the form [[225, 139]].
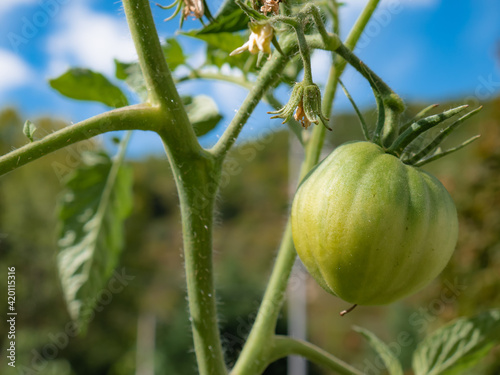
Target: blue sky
[[427, 50]]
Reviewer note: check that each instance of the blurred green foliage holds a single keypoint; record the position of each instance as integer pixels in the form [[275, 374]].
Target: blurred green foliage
[[252, 211]]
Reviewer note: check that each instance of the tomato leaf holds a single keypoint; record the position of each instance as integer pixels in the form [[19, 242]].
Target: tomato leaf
[[220, 45], [84, 84], [203, 113], [458, 345], [173, 53], [135, 80], [230, 18], [121, 69], [96, 201], [28, 129], [390, 360]]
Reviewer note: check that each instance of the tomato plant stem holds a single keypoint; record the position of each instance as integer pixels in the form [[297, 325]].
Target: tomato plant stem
[[284, 346], [159, 82], [141, 117], [197, 179]]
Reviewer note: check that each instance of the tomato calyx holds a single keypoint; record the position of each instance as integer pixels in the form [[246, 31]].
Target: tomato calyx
[[408, 142]]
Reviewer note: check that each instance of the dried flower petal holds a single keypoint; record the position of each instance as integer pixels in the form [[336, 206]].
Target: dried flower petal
[[194, 8], [270, 6]]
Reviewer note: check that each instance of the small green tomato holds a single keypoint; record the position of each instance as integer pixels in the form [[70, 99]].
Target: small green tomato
[[371, 229]]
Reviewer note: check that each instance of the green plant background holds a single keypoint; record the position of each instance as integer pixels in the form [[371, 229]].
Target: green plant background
[[245, 246]]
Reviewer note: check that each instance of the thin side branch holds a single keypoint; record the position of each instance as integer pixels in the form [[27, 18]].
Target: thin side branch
[[285, 346], [141, 117]]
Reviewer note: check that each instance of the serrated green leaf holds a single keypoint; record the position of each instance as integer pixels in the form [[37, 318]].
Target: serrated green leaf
[[84, 84], [28, 129], [135, 80], [230, 18], [173, 53], [219, 46], [96, 201], [458, 345], [390, 360], [121, 69], [203, 113]]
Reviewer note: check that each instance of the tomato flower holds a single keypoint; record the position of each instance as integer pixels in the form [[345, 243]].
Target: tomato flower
[[259, 40], [305, 101]]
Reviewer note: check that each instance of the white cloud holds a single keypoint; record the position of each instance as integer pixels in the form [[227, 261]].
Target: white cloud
[[89, 39], [17, 71], [7, 5]]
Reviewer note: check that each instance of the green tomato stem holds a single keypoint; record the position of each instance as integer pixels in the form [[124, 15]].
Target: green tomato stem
[[193, 169], [197, 178], [305, 53], [284, 346], [159, 82], [141, 117]]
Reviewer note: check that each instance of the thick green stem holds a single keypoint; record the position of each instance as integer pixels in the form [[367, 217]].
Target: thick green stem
[[141, 117], [284, 346], [197, 177], [159, 82], [197, 180], [255, 355]]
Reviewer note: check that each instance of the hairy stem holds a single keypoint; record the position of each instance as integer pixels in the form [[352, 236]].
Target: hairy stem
[[141, 117], [305, 53], [284, 346], [159, 82], [193, 169], [197, 180]]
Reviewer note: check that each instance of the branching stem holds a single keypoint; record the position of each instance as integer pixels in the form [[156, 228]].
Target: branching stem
[[140, 117]]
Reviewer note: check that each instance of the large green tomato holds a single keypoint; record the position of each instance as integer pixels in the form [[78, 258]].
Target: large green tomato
[[371, 229]]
